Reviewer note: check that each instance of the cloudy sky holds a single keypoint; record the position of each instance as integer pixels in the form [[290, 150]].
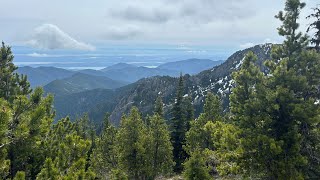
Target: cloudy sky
[[84, 24]]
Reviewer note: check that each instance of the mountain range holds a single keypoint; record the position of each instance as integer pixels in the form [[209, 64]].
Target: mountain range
[[144, 92], [122, 72]]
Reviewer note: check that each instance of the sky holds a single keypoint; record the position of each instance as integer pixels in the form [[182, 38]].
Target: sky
[[88, 24]]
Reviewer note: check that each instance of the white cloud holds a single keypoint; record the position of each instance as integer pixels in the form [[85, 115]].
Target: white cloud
[[49, 36]]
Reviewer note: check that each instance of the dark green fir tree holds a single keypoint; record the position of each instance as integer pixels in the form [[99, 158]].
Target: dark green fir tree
[[179, 128]]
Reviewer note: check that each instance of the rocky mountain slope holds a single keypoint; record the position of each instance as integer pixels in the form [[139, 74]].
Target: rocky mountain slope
[[216, 80]]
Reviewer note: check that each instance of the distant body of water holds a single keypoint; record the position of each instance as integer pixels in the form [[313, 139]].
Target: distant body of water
[[148, 56]]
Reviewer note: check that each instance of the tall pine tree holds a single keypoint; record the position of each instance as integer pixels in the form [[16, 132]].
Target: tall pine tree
[[278, 114], [179, 128], [248, 104], [295, 89], [161, 148]]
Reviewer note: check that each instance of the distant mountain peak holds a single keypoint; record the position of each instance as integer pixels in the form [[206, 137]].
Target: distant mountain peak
[[118, 66], [190, 66]]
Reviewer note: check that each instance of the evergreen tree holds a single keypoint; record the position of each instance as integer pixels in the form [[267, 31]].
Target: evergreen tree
[[216, 140], [197, 137], [179, 128], [295, 41], [224, 148], [134, 147], [66, 153], [195, 167], [295, 88], [248, 104], [104, 158], [212, 109], [161, 147], [30, 147], [158, 108], [277, 114], [31, 121], [5, 116], [316, 26], [49, 171], [189, 111], [85, 129], [11, 84]]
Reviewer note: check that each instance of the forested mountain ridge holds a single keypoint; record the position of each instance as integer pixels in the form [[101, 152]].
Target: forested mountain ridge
[[144, 92], [81, 82], [41, 76], [87, 101]]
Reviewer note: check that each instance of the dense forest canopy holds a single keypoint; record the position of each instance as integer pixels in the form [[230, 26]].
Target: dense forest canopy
[[271, 130]]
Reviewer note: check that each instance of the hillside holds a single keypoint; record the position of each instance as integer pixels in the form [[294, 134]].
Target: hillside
[[41, 76], [144, 92], [78, 103], [81, 82]]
